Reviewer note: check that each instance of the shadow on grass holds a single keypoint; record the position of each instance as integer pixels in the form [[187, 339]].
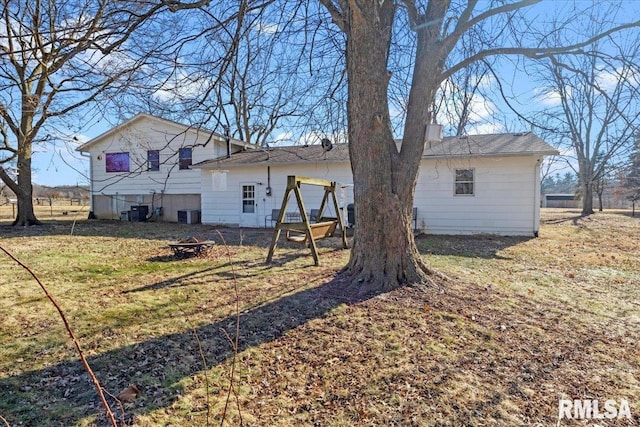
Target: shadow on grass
[[174, 281], [573, 219], [161, 231], [476, 246], [63, 395]]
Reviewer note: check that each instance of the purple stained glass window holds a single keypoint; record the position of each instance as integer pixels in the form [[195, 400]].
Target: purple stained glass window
[[117, 162]]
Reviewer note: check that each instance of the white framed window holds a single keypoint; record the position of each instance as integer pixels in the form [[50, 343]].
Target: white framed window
[[153, 160], [185, 158], [464, 182], [248, 198]]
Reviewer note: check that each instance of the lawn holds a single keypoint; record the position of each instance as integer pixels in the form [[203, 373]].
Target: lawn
[[519, 324]]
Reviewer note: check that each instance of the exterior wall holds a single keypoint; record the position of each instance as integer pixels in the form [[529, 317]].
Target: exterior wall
[[221, 191], [170, 187], [506, 199], [110, 207]]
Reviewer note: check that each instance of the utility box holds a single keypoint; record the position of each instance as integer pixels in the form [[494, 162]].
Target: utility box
[[189, 217], [139, 213], [351, 215]]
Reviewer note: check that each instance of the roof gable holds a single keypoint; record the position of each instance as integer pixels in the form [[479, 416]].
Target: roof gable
[[141, 117]]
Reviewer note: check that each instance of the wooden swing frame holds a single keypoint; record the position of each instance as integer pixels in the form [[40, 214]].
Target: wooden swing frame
[[305, 232]]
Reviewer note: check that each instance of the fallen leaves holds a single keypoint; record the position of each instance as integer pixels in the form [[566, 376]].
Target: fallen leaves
[[129, 394]]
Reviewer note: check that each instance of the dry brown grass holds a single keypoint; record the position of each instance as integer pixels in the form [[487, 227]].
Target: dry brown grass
[[520, 324]]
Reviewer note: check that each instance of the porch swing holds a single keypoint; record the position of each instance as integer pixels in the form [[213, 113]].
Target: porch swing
[[305, 232]]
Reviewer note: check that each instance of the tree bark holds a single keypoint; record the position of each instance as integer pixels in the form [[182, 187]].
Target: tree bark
[[587, 198], [600, 207], [25, 215], [384, 254]]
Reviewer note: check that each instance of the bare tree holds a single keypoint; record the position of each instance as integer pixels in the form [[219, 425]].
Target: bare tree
[[58, 58], [597, 113], [630, 175], [275, 72], [384, 254]]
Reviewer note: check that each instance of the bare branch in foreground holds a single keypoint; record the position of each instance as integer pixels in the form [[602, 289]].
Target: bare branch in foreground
[[94, 379]]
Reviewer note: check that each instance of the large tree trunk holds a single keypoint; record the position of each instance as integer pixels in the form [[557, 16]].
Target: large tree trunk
[[24, 188], [384, 255], [24, 193], [587, 198]]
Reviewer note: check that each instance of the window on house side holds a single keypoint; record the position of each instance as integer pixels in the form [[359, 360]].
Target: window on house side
[[184, 158], [248, 199], [464, 182], [153, 160], [117, 162]]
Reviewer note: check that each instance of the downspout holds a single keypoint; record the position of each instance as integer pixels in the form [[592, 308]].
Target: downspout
[[536, 197]]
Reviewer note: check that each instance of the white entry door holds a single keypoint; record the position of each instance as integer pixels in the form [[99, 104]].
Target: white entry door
[[248, 205]]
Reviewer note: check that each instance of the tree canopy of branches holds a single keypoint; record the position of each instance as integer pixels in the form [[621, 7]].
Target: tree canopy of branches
[[596, 114], [58, 60], [273, 74]]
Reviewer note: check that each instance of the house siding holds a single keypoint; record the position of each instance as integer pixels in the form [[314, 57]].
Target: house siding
[[171, 188], [505, 200], [224, 206]]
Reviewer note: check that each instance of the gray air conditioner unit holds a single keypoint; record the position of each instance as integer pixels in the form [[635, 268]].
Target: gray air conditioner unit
[[189, 217]]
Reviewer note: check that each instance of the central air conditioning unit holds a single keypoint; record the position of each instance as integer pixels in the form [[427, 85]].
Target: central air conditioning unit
[[189, 217], [139, 213]]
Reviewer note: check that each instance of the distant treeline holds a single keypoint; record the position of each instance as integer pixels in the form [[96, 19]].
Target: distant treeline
[[560, 184], [59, 192]]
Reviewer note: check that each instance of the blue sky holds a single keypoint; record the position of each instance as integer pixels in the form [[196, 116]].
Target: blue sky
[[59, 164]]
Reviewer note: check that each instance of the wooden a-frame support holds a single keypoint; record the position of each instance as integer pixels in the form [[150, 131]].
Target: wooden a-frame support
[[305, 227]]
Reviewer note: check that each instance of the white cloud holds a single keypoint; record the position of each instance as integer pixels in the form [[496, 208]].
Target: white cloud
[[284, 138], [549, 97], [486, 128], [266, 28], [183, 86]]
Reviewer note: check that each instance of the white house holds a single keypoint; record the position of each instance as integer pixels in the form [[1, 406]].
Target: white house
[[466, 185], [143, 166], [151, 166]]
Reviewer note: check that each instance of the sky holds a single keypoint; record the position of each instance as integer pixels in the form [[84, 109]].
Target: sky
[[56, 164], [59, 164]]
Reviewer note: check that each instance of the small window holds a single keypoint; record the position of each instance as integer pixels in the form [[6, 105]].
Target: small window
[[248, 199], [117, 162], [185, 158], [464, 182], [153, 160]]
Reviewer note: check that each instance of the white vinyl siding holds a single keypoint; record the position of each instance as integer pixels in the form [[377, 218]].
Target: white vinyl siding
[[504, 199], [504, 202], [220, 205], [140, 137]]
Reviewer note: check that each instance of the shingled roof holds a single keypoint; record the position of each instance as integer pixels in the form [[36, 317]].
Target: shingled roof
[[503, 144], [468, 146], [299, 154]]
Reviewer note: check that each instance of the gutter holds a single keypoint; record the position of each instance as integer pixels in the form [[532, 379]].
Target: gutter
[[536, 197]]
